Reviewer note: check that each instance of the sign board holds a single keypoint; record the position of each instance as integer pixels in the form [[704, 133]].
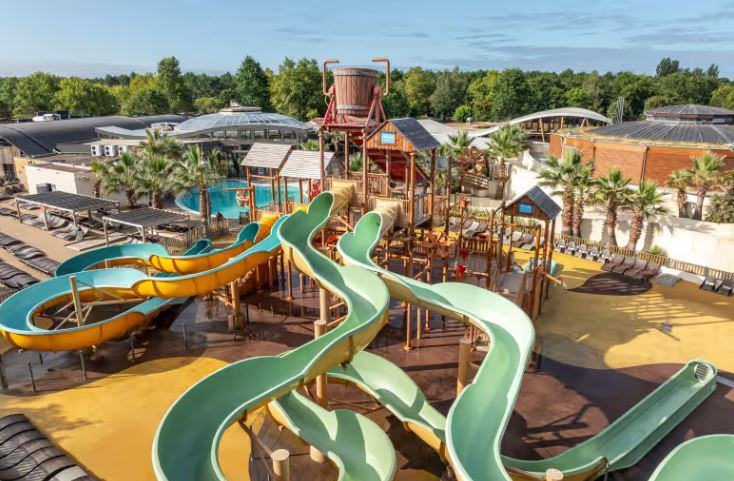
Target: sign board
[[524, 208], [387, 138]]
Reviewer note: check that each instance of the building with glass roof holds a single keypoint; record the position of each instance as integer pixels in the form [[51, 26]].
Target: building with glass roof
[[236, 129]]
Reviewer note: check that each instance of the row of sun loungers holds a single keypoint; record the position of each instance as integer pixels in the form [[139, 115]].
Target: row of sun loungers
[[633, 267], [29, 255], [13, 278], [583, 251], [27, 455], [724, 287]]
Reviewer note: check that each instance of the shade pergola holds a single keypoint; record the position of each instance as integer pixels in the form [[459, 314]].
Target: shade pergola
[[65, 201], [267, 156], [305, 165], [143, 218]]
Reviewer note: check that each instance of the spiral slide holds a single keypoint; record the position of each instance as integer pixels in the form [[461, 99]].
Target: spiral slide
[[16, 313], [470, 438], [187, 440]]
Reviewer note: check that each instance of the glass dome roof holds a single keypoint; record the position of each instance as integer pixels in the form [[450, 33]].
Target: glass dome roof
[[224, 120]]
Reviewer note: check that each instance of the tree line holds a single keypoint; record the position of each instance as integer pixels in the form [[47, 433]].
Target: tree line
[[294, 89]]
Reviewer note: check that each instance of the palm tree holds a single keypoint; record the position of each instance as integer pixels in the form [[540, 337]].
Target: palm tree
[[122, 176], [645, 202], [583, 186], [194, 170], [355, 162], [680, 180], [154, 177], [560, 175], [158, 144], [613, 192], [99, 170], [457, 145], [705, 175], [311, 145], [506, 143]]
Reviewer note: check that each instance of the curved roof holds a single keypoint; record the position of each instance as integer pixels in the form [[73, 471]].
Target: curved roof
[[224, 120], [689, 111], [37, 139], [670, 131], [563, 112]]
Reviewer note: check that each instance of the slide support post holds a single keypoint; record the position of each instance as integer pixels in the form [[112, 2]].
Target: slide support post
[[462, 379]]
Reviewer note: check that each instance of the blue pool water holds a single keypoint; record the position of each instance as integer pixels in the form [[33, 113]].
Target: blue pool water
[[225, 201]]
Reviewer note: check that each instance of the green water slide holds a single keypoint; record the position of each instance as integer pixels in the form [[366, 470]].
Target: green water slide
[[187, 440], [708, 458], [477, 420]]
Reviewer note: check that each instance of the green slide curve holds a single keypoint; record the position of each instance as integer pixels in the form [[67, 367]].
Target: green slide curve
[[187, 440], [472, 427], [708, 458]]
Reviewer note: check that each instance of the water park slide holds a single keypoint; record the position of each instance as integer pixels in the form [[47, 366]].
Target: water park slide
[[156, 256], [477, 420], [703, 458], [187, 440], [622, 444], [18, 328]]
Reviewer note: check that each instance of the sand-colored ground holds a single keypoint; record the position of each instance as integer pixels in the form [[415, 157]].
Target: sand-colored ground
[[622, 331], [108, 425]]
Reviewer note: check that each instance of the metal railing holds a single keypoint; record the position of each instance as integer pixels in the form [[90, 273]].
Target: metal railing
[[177, 244]]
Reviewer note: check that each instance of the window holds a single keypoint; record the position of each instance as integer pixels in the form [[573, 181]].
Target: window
[[259, 134], [246, 134], [274, 135]]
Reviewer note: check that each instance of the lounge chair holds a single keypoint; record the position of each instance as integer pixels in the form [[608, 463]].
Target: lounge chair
[[4, 211], [20, 281], [615, 261], [710, 283], [523, 240], [581, 251], [726, 287], [571, 248], [604, 256], [651, 270], [639, 266], [560, 245], [43, 264], [626, 265], [6, 241], [531, 245], [25, 251], [593, 254], [7, 271]]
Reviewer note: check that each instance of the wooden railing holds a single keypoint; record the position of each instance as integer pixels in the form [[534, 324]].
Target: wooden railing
[[177, 244], [377, 184]]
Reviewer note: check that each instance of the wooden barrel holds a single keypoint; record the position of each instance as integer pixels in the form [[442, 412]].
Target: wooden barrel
[[354, 90]]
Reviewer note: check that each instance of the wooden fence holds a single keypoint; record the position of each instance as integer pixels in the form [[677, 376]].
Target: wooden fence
[[177, 244]]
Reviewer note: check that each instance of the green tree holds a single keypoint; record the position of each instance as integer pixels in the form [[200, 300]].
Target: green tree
[[170, 83], [7, 96], [396, 104], [154, 177], [197, 171], [311, 145], [99, 168], [481, 94], [687, 87], [705, 175], [355, 162], [462, 113], [680, 180], [158, 144], [644, 203], [507, 143], [667, 66], [81, 96], [721, 209], [448, 94], [34, 93], [723, 96], [635, 89], [546, 91], [146, 101], [577, 97], [419, 86], [583, 186], [511, 93], [561, 175], [251, 85], [613, 192], [122, 176], [207, 105], [296, 89], [596, 89]]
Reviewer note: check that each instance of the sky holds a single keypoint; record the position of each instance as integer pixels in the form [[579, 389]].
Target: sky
[[95, 37]]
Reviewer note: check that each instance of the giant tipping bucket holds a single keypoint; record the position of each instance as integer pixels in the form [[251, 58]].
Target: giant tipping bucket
[[355, 89]]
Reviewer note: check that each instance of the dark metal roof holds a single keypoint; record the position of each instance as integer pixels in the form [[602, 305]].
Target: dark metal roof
[[66, 201], [543, 201], [671, 131], [36, 139], [145, 217], [689, 110], [415, 133]]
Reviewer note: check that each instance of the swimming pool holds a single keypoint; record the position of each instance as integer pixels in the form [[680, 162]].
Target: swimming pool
[[225, 201]]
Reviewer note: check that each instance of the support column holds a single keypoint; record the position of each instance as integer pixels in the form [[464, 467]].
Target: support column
[[45, 218], [234, 289], [281, 464], [289, 278], [77, 301], [432, 198], [365, 170], [322, 395], [321, 160], [346, 154], [448, 197], [463, 376]]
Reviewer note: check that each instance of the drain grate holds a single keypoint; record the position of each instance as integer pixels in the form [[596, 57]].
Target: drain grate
[[702, 371]]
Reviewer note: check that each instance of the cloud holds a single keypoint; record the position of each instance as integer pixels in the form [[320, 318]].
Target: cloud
[[66, 69], [556, 58]]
